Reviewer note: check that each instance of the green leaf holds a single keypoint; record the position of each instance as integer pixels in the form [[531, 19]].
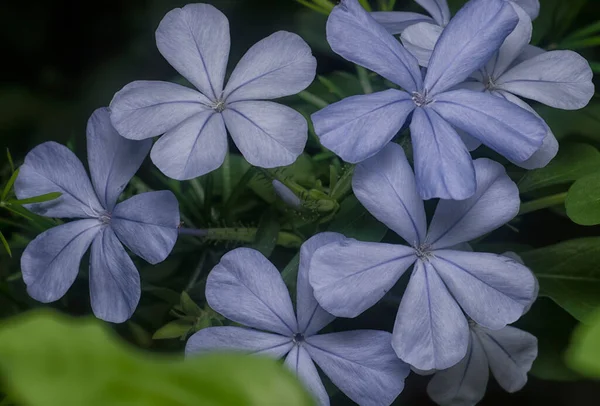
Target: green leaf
[[9, 185], [173, 329], [10, 160], [48, 359], [583, 354], [5, 243], [573, 161], [583, 201], [566, 123], [354, 221], [585, 31], [290, 274], [189, 306], [37, 199], [569, 274], [266, 234]]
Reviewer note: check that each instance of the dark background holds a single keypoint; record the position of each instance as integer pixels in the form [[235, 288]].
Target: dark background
[[62, 59]]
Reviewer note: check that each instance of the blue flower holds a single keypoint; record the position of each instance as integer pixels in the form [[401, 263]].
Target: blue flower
[[195, 41], [146, 223], [246, 288], [358, 127], [431, 330]]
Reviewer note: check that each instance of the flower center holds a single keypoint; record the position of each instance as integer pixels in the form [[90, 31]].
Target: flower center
[[489, 83], [298, 338], [219, 106], [104, 218], [421, 99], [423, 252]]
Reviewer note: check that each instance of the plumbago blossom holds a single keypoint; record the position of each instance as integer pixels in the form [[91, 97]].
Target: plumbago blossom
[[195, 41], [431, 331], [146, 223], [246, 288], [358, 127]]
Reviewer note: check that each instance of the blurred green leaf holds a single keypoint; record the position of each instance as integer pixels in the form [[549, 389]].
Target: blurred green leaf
[[583, 201], [47, 359], [9, 185], [581, 43], [290, 274], [354, 221], [569, 274], [11, 163], [5, 243], [584, 32], [37, 199], [173, 329], [565, 123], [583, 354], [189, 306], [266, 234]]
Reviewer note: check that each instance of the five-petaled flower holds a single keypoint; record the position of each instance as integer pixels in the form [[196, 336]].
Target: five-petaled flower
[[358, 127], [431, 330], [246, 288], [146, 223], [195, 41]]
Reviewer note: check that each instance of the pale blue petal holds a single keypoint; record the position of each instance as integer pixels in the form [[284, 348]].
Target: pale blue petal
[[113, 159], [357, 37], [268, 134], [561, 79], [299, 361], [362, 364], [471, 143], [528, 52], [50, 262], [350, 276], [243, 339], [195, 40], [386, 186], [504, 127], [395, 22], [279, 65], [246, 288], [358, 127], [531, 7], [420, 40], [468, 42], [148, 224], [443, 165], [286, 195], [438, 9], [431, 331], [146, 109], [492, 289], [194, 148], [496, 202], [311, 317], [51, 167], [115, 288]]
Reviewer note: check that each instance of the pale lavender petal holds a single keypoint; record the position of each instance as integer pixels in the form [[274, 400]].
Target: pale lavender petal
[[51, 167], [362, 364], [268, 134], [246, 288], [195, 40], [471, 143], [358, 127], [395, 22], [299, 361], [468, 42], [243, 339], [496, 202], [386, 186], [286, 194], [438, 9], [561, 79], [50, 262], [531, 7], [115, 288], [431, 331], [443, 165], [528, 52], [465, 383], [506, 128], [113, 159], [420, 39], [350, 276], [355, 35], [511, 353], [279, 65], [492, 289], [146, 109], [311, 316], [148, 224], [194, 148]]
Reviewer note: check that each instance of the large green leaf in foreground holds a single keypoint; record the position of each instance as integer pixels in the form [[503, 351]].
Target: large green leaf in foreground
[[48, 359]]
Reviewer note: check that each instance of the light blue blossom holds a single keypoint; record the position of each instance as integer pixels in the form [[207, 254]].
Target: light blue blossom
[[286, 194], [431, 330], [195, 41], [146, 223], [358, 127], [246, 288]]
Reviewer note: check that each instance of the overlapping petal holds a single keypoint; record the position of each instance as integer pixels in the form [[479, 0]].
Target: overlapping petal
[[51, 167], [299, 361], [361, 363], [420, 40], [386, 186], [148, 224], [438, 9], [358, 127], [355, 35], [279, 65], [395, 22], [246, 288], [531, 7], [113, 159], [195, 40]]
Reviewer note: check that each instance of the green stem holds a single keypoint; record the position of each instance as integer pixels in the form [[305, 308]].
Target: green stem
[[363, 77], [226, 172], [391, 5], [242, 234], [543, 203], [313, 7], [313, 99], [366, 5]]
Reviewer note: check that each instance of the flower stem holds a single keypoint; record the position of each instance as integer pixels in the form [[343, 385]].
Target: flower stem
[[363, 77], [241, 234], [543, 203]]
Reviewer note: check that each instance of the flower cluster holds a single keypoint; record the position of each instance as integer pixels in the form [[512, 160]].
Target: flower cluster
[[459, 82]]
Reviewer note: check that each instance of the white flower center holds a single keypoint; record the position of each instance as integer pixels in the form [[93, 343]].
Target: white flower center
[[105, 218], [219, 106], [423, 251], [421, 99]]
